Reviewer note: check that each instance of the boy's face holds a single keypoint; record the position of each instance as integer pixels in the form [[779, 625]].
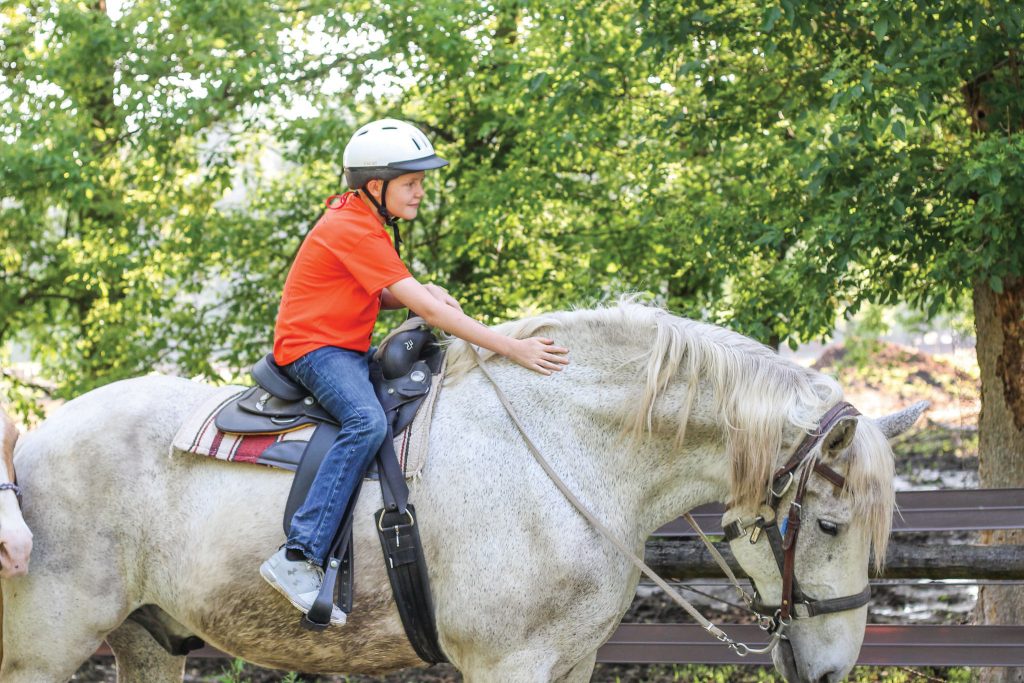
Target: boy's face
[[404, 194]]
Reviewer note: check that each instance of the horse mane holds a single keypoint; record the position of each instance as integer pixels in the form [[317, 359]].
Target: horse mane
[[869, 484], [758, 395]]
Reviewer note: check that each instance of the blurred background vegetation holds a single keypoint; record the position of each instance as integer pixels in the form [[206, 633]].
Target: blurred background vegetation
[[765, 165], [774, 166]]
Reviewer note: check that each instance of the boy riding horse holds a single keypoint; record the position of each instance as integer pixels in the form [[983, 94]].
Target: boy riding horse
[[346, 271]]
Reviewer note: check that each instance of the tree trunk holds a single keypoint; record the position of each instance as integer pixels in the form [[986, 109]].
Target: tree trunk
[[999, 322]]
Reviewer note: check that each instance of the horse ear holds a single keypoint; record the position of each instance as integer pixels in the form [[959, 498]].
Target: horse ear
[[897, 423], [839, 437]]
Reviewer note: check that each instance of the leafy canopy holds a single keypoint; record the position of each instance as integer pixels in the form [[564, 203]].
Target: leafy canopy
[[765, 165]]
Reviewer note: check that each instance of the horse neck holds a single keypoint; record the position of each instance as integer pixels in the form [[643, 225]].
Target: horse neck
[[681, 475], [576, 419], [648, 358]]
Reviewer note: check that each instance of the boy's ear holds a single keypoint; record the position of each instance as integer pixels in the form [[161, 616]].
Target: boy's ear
[[374, 186]]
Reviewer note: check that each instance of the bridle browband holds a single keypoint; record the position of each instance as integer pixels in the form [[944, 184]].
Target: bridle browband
[[799, 467]]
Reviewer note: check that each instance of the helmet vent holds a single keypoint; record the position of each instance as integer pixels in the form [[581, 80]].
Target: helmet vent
[[363, 133], [416, 143], [389, 127]]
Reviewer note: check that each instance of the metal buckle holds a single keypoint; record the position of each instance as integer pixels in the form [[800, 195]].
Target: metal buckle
[[380, 521], [755, 534], [780, 494]]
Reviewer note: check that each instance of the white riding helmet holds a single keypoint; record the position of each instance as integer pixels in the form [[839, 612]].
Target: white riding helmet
[[386, 149]]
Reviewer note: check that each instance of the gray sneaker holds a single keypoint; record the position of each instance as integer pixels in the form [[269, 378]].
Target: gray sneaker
[[298, 581]]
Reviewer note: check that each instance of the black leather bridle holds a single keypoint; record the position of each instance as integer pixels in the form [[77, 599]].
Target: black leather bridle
[[799, 467]]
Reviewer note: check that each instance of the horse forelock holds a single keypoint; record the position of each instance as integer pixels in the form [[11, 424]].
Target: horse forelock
[[757, 394], [869, 484]]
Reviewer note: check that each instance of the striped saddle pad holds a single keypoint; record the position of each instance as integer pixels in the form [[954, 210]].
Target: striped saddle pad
[[199, 435]]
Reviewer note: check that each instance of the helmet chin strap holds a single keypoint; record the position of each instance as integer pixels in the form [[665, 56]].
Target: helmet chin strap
[[389, 220]]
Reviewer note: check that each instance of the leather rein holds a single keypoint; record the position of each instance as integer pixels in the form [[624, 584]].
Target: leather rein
[[785, 550], [799, 468]]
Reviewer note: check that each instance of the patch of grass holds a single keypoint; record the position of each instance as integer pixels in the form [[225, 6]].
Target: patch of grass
[[701, 673], [239, 672]]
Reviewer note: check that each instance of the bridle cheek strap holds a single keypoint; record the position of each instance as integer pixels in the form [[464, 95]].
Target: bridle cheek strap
[[800, 605], [794, 602]]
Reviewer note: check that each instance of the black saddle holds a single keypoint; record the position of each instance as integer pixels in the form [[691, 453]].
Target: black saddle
[[401, 374]]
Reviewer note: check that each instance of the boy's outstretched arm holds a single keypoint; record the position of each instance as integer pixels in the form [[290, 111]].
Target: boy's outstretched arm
[[536, 353], [389, 301]]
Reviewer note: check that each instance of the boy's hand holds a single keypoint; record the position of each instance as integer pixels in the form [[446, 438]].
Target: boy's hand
[[442, 295], [540, 355]]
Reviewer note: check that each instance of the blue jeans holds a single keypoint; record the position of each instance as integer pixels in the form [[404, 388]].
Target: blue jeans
[[339, 379]]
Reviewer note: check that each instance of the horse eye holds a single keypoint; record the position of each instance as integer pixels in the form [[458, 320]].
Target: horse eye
[[830, 528]]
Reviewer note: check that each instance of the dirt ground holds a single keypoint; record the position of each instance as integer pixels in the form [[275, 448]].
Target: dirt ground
[[940, 452]]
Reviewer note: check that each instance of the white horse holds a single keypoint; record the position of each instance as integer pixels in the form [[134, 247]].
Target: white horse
[[655, 415]]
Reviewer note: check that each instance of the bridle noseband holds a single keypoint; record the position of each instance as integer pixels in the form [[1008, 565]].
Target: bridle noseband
[[799, 467]]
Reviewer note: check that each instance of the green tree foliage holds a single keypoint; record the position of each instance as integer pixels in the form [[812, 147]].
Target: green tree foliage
[[766, 165], [120, 137], [847, 139]]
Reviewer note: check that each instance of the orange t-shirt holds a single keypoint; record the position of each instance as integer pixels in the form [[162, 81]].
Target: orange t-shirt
[[332, 293]]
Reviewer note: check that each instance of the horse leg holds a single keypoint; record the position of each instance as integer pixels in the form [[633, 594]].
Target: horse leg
[[582, 672], [57, 616], [528, 666], [140, 659], [42, 643]]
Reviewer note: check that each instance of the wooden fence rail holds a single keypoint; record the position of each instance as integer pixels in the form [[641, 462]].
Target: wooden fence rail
[[934, 510], [675, 557], [884, 645], [674, 551]]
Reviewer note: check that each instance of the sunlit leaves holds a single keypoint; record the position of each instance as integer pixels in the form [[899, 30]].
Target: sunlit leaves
[[762, 165]]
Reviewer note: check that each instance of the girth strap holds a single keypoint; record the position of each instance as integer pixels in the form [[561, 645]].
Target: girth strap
[[393, 488], [403, 553]]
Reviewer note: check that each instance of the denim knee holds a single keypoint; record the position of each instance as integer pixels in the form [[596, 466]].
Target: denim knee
[[370, 424], [373, 425]]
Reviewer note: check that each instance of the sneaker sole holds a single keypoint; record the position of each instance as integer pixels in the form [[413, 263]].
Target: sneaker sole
[[268, 575]]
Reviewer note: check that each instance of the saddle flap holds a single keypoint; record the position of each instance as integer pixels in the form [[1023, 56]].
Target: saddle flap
[[262, 404], [284, 454], [235, 419]]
